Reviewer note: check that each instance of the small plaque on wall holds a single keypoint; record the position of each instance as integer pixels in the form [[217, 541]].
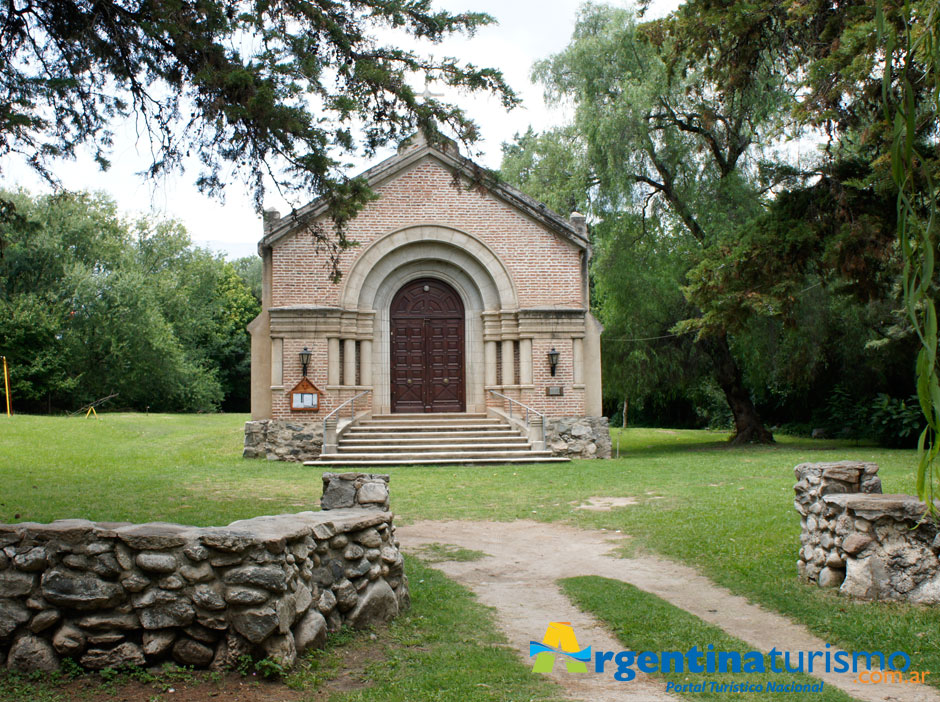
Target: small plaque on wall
[[554, 391], [305, 397]]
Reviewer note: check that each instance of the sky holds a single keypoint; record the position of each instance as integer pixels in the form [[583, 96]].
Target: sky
[[527, 31]]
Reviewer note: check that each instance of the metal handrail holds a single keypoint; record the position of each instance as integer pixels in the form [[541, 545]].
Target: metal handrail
[[521, 404], [352, 410]]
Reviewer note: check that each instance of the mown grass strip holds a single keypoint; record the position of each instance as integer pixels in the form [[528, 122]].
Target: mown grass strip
[[644, 622], [446, 647]]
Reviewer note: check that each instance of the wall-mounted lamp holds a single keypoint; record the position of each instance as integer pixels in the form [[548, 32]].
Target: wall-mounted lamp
[[553, 359], [305, 359]]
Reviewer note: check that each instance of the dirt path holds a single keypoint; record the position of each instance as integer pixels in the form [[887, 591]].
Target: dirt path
[[525, 559]]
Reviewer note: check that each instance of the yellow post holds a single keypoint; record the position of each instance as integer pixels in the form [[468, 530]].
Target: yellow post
[[6, 386]]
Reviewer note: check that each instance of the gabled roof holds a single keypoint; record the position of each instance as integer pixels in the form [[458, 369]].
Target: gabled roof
[[409, 153]]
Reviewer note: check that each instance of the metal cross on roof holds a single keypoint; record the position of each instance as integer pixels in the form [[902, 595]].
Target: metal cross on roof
[[427, 94]]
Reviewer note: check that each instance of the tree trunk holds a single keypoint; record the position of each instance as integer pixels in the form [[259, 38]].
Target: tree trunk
[[748, 428]]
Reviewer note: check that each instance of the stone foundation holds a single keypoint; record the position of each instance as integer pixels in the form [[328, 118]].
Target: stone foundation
[[578, 437], [869, 545], [283, 440], [108, 594]]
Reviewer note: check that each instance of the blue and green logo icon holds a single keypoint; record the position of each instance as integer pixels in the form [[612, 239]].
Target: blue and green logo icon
[[559, 640]]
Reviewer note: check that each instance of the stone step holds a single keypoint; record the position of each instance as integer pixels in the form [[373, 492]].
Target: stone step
[[444, 455], [430, 416], [432, 439], [432, 448], [405, 460], [432, 419], [363, 426], [500, 434]]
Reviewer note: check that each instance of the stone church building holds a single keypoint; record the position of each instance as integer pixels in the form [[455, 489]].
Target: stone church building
[[462, 308]]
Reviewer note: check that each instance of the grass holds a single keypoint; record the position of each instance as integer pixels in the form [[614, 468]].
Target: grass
[[727, 511], [644, 622], [447, 648], [438, 553]]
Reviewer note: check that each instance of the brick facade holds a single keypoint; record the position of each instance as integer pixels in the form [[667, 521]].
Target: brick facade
[[520, 271]]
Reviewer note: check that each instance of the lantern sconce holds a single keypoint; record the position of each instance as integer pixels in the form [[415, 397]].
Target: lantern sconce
[[553, 360], [305, 360]]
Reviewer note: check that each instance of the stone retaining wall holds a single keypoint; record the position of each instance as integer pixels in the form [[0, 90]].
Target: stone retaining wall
[[578, 437], [109, 594], [869, 545], [283, 440]]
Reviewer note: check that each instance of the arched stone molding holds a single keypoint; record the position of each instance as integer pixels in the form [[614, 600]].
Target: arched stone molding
[[465, 283], [466, 263], [428, 241]]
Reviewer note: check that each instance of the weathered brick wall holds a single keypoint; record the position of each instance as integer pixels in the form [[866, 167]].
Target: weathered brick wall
[[544, 267]]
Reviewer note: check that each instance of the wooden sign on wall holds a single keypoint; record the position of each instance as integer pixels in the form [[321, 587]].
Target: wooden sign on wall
[[305, 397]]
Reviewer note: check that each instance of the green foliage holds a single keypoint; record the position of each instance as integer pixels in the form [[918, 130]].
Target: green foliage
[[896, 423], [693, 488], [267, 91], [93, 304], [269, 668], [911, 101]]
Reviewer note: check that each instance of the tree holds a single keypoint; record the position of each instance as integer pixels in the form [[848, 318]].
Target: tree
[[272, 90], [664, 141], [92, 303]]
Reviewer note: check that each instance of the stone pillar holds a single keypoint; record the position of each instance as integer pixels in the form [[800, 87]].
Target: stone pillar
[[332, 361], [509, 367], [277, 363], [525, 361], [593, 394], [489, 362], [365, 363], [577, 362], [349, 362], [536, 433], [329, 435]]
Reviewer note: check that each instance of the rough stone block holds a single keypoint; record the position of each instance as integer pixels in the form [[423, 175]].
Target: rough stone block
[[310, 631], [255, 624], [157, 562], [376, 605], [30, 653], [79, 590], [270, 578], [190, 652], [69, 640], [126, 654], [12, 615]]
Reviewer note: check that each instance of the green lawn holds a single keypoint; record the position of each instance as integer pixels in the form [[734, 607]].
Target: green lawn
[[725, 510], [644, 622]]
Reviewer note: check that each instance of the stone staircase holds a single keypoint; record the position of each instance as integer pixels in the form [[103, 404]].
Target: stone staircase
[[432, 439]]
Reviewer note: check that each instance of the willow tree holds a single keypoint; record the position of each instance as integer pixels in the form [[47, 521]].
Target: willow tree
[[665, 140]]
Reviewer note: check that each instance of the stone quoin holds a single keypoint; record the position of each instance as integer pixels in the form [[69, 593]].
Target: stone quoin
[[457, 286]]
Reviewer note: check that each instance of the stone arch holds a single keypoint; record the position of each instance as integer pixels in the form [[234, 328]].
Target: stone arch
[[430, 242], [457, 258]]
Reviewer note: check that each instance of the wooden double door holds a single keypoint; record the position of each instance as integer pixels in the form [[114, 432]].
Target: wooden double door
[[427, 343]]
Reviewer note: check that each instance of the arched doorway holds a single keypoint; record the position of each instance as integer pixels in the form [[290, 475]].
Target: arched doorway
[[427, 348]]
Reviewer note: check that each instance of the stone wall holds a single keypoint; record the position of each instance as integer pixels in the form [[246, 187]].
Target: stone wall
[[578, 437], [283, 440], [869, 545], [109, 594]]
